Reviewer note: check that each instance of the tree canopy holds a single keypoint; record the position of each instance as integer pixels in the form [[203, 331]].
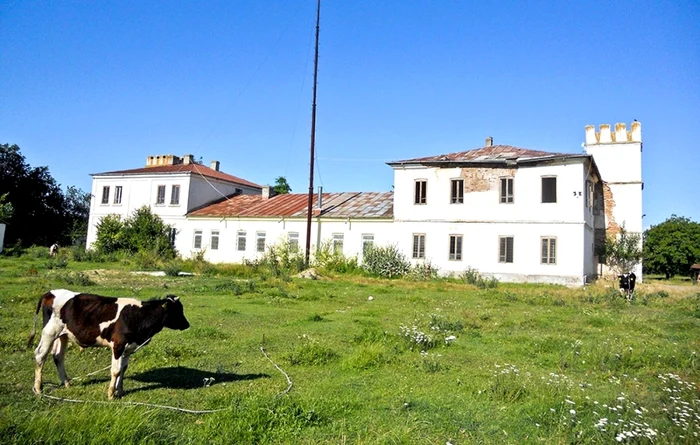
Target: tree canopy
[[40, 211], [142, 231], [670, 248], [623, 252], [281, 186]]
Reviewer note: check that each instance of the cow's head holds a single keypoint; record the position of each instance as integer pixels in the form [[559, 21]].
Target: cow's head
[[175, 314]]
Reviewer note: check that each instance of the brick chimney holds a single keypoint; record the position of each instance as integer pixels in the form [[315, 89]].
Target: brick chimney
[[188, 159], [489, 141], [215, 165], [265, 192]]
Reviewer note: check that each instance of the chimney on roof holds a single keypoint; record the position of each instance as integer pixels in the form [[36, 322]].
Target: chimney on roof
[[266, 193], [215, 165], [188, 159], [489, 141]]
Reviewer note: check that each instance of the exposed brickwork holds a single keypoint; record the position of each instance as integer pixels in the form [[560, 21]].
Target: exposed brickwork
[[484, 179], [613, 228]]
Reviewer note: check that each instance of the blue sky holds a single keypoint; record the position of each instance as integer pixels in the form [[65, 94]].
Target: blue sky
[[87, 87]]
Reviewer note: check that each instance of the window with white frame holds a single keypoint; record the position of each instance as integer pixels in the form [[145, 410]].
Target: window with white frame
[[549, 250], [418, 246], [160, 197], [549, 189], [367, 242], [118, 194], [293, 239], [175, 195], [421, 195], [240, 240], [455, 248], [505, 249], [197, 244], [457, 191], [260, 241], [214, 240], [506, 193], [105, 194], [338, 239]]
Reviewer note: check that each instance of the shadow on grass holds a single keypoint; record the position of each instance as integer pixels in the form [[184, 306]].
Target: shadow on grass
[[180, 377]]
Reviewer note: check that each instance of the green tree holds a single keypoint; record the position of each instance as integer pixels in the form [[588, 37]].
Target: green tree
[[6, 209], [142, 231], [623, 252], [281, 186], [670, 248], [42, 214]]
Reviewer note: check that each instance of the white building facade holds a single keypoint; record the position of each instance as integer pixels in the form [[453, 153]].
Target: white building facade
[[514, 214]]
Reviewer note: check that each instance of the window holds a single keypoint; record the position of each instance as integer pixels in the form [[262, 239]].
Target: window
[[293, 238], [590, 190], [172, 233], [240, 241], [505, 249], [418, 245], [367, 242], [214, 242], [457, 193], [197, 239], [160, 199], [506, 190], [105, 194], [260, 241], [118, 194], [549, 189], [456, 247], [338, 243], [421, 192], [174, 195], [549, 250]]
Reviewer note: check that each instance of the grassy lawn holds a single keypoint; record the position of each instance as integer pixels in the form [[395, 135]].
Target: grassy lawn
[[418, 362]]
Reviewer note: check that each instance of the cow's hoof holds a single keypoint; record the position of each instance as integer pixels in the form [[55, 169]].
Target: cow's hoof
[[36, 390], [66, 383]]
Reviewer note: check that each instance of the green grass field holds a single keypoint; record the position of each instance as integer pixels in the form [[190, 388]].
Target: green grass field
[[420, 362]]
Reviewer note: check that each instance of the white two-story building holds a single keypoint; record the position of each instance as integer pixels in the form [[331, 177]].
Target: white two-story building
[[510, 213]]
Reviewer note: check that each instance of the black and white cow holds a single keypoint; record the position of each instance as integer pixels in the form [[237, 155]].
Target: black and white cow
[[627, 281], [122, 324]]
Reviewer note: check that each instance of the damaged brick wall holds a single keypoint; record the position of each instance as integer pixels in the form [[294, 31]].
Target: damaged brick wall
[[613, 228], [484, 179]]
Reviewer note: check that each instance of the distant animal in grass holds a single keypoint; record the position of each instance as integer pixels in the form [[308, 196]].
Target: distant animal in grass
[[121, 324]]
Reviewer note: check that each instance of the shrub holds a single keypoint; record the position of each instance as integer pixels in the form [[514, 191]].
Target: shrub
[[36, 252], [77, 278], [326, 258], [56, 263], [142, 231], [385, 262], [172, 268], [311, 352], [472, 276], [423, 271]]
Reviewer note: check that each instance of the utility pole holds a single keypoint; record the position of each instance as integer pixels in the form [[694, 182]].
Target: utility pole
[[313, 143]]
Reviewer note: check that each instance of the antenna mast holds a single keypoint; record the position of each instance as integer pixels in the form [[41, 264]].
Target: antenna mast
[[313, 143]]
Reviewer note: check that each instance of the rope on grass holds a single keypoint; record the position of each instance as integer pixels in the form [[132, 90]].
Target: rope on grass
[[289, 380]]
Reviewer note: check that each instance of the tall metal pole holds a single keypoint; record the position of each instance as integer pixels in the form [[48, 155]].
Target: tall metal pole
[[313, 143]]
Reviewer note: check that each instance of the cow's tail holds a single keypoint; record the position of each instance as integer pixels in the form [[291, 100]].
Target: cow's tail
[[32, 334]]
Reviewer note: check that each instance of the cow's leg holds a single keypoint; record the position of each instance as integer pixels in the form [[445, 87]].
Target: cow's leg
[[40, 353], [59, 358], [120, 377]]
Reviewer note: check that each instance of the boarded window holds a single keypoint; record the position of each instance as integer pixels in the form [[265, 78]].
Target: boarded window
[[118, 194], [456, 247], [260, 241], [175, 195], [505, 249], [240, 241], [506, 190], [214, 242], [421, 192], [160, 198], [105, 194], [549, 189], [457, 191], [418, 245], [197, 239], [549, 250]]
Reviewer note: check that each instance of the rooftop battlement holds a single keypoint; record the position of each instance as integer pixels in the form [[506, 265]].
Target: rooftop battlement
[[619, 136]]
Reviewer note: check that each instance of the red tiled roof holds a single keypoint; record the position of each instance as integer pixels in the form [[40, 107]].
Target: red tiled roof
[[485, 154], [335, 205], [195, 169]]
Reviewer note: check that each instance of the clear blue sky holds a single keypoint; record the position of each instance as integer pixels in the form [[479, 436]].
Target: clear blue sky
[[87, 87]]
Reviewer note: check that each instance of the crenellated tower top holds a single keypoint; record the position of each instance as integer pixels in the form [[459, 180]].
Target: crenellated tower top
[[619, 136]]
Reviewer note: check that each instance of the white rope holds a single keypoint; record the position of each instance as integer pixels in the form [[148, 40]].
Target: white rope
[[151, 405]]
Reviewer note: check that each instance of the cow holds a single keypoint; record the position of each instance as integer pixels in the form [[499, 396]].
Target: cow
[[122, 324], [627, 281]]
